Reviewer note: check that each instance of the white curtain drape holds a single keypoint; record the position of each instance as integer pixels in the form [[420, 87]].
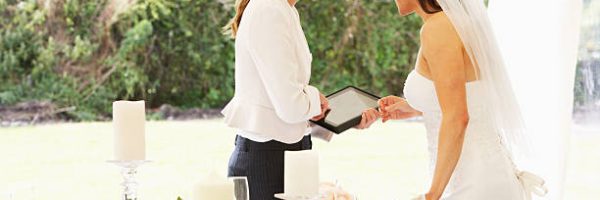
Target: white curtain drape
[[539, 40]]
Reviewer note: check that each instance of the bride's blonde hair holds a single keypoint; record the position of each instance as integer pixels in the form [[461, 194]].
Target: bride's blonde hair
[[232, 27]]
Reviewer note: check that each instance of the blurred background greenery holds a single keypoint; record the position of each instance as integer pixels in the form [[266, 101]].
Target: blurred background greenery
[[84, 54], [88, 53]]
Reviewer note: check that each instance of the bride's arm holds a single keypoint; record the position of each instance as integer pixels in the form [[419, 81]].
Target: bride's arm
[[442, 49]]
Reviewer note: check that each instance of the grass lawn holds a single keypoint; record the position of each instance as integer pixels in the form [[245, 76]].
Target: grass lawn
[[388, 161]]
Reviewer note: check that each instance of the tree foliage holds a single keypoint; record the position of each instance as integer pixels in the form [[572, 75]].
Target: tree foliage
[[88, 53]]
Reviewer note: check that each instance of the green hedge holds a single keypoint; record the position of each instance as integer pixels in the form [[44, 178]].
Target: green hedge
[[87, 53]]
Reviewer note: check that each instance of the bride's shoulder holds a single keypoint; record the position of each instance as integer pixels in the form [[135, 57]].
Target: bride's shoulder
[[438, 30], [437, 22]]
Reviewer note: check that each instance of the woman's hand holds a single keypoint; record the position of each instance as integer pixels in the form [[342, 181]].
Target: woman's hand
[[432, 196], [324, 108], [420, 197], [368, 118], [393, 107], [334, 192], [427, 196]]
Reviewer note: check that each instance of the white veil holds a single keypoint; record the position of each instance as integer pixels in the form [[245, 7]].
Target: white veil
[[470, 19]]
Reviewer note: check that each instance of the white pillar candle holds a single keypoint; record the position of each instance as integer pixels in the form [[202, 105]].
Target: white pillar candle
[[301, 173], [214, 187], [129, 118]]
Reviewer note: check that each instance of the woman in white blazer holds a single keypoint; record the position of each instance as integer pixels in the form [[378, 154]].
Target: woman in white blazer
[[273, 100]]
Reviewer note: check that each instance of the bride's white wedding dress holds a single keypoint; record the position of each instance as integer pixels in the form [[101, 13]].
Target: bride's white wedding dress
[[485, 169]]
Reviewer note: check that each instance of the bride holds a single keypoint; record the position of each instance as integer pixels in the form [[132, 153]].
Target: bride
[[460, 87]]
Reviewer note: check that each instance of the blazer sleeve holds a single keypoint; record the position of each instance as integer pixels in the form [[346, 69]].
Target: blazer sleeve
[[272, 47]]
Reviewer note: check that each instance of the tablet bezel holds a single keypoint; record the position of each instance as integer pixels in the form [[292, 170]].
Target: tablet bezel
[[348, 124]]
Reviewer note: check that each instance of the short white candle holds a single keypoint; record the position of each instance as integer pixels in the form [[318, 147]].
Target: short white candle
[[214, 187], [129, 118], [301, 173]]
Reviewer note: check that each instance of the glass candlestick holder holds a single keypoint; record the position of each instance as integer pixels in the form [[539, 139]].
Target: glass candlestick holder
[[128, 171]]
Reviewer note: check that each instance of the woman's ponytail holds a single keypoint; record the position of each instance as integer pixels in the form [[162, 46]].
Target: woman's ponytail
[[234, 23]]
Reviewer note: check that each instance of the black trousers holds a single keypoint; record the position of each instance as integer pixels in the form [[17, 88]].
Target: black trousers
[[262, 164]]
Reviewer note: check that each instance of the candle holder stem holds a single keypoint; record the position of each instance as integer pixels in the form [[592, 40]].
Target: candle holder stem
[[128, 171]]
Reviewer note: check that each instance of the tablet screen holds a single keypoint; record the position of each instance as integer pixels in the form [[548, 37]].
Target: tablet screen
[[348, 104]]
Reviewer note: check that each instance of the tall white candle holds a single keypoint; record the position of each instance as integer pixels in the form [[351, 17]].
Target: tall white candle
[[129, 118], [301, 173], [214, 187]]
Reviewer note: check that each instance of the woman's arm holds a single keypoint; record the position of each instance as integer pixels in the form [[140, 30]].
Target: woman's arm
[[443, 49], [271, 44]]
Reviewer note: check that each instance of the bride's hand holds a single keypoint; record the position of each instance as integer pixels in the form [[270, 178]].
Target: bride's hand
[[334, 192], [420, 197], [389, 100], [393, 107], [425, 197]]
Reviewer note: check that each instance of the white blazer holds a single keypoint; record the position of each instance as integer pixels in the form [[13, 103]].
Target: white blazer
[[272, 100]]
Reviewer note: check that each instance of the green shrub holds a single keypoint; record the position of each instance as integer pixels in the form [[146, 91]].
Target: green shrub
[[359, 43], [82, 53]]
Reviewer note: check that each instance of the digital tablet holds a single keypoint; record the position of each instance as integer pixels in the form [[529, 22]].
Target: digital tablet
[[346, 108]]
